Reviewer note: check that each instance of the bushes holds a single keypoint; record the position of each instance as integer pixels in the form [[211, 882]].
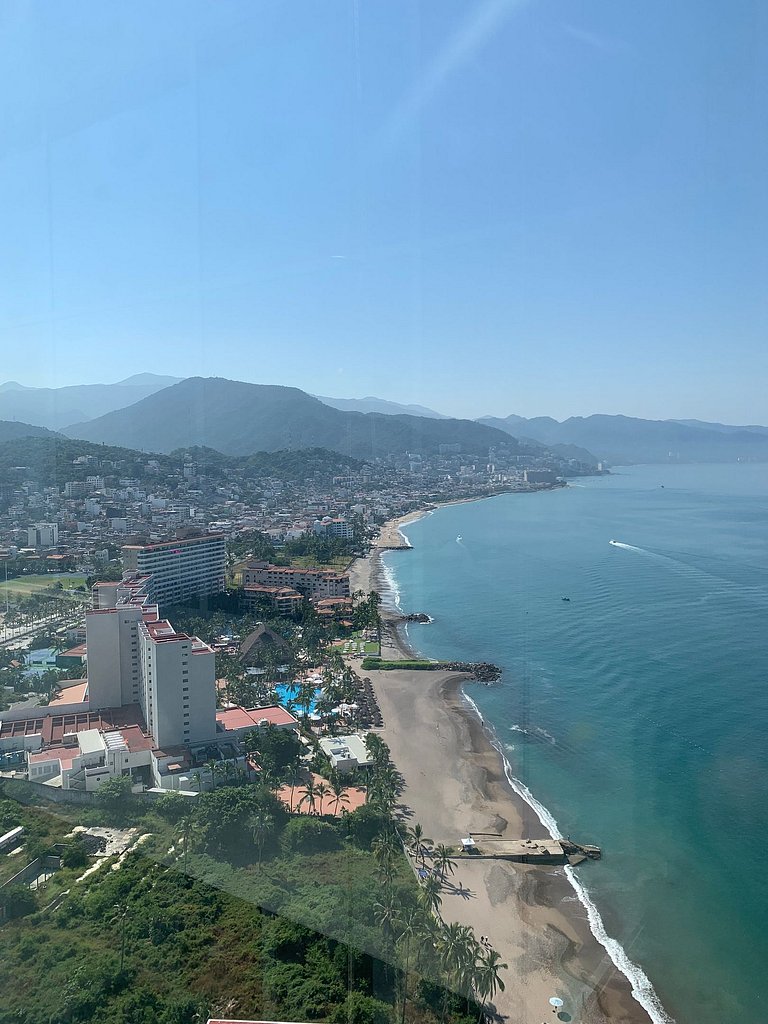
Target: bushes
[[283, 939], [173, 807], [310, 835], [74, 854], [277, 748], [361, 1009], [223, 820], [18, 901], [364, 824]]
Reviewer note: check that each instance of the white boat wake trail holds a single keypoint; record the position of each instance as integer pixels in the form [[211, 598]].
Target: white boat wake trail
[[628, 547]]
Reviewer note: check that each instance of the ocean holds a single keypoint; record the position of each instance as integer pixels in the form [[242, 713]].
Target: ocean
[[636, 712]]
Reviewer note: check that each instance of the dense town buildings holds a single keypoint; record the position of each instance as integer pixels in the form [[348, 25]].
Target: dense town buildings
[[101, 503]]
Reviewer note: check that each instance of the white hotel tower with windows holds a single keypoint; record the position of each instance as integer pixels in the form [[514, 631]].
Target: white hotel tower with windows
[[136, 657], [180, 569]]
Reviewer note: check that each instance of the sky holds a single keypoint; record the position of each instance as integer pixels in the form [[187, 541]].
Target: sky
[[541, 207]]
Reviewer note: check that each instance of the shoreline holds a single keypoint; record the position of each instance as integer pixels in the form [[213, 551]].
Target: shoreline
[[540, 919]]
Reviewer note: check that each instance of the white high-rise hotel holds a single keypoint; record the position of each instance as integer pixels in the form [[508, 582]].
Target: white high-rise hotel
[[136, 657], [180, 569]]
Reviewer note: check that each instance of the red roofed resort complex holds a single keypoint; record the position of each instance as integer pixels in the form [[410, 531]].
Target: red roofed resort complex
[[147, 709]]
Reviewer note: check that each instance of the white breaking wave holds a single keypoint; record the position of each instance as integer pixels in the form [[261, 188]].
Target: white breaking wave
[[535, 732], [424, 515], [641, 986], [392, 594]]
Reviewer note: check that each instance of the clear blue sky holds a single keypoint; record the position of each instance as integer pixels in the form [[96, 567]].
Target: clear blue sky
[[548, 207]]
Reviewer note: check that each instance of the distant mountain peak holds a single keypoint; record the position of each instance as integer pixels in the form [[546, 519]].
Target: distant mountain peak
[[142, 379], [56, 407], [382, 405]]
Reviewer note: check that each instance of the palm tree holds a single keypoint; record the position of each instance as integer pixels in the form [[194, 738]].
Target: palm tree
[[385, 849], [121, 913], [386, 913], [410, 926], [198, 781], [322, 790], [261, 824], [183, 830], [458, 950], [430, 895], [295, 770], [487, 977], [268, 780], [310, 794], [339, 794], [212, 766], [417, 841], [305, 698], [443, 862]]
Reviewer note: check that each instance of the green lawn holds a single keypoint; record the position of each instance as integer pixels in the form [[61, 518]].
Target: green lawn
[[356, 645], [25, 586], [338, 564]]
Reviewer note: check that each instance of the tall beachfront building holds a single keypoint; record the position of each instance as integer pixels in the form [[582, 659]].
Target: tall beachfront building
[[136, 657], [181, 570]]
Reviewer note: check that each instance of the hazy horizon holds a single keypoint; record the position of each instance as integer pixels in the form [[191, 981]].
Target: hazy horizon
[[397, 399]]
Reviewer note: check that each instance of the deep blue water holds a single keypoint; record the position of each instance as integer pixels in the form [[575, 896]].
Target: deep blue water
[[636, 712]]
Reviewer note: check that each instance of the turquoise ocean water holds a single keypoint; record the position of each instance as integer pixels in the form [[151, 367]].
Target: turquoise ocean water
[[636, 713]]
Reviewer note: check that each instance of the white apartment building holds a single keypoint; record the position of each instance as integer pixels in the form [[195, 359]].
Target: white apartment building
[[334, 528], [178, 685], [43, 535], [135, 657], [181, 569], [309, 582]]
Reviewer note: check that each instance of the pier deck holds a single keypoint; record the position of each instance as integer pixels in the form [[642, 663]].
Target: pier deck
[[532, 851]]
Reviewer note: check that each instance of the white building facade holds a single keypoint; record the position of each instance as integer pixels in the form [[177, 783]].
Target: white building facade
[[181, 570], [136, 657]]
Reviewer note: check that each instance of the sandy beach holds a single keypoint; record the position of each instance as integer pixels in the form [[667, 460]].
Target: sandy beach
[[454, 784]]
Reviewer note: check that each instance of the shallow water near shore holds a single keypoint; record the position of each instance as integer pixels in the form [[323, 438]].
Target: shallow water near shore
[[635, 713]]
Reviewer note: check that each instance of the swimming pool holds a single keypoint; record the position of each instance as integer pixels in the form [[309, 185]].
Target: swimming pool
[[290, 691]]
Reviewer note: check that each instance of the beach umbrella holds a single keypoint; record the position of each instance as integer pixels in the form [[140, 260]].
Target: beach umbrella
[[555, 1002]]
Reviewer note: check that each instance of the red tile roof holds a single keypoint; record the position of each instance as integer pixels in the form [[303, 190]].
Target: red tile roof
[[74, 694], [239, 718]]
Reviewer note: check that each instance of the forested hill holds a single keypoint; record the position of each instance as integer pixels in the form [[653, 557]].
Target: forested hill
[[10, 430], [238, 418], [51, 461]]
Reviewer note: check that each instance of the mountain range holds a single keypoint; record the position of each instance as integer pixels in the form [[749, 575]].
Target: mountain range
[[238, 418], [625, 439], [57, 407]]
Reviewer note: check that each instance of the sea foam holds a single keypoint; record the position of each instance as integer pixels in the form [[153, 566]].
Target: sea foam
[[642, 989]]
